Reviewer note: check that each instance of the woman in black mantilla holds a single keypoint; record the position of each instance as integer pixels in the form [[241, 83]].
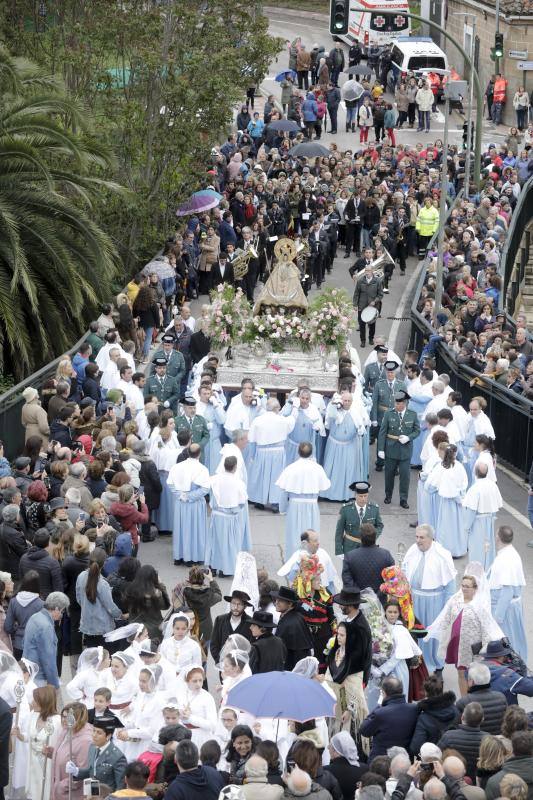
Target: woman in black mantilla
[[349, 661]]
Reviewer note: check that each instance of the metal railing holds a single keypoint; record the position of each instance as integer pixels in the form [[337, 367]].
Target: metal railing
[[515, 253], [511, 414], [11, 402]]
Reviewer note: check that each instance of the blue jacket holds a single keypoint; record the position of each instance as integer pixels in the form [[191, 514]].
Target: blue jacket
[[99, 617], [79, 363], [5, 468], [310, 108], [255, 128], [504, 679], [17, 616], [123, 549], [227, 234], [40, 646], [393, 723], [202, 783]]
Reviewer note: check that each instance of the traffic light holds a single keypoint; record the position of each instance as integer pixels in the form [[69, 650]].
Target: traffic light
[[340, 12], [498, 45]]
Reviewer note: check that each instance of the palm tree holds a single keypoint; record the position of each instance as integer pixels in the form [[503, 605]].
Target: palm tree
[[56, 263]]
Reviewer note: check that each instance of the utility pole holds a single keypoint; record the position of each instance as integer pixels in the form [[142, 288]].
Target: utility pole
[[470, 106], [452, 91]]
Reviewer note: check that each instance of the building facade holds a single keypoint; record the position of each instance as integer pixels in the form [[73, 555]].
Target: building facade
[[516, 25]]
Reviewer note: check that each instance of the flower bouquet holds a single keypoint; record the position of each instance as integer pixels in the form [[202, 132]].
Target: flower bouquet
[[230, 312], [382, 641], [279, 330], [331, 318]]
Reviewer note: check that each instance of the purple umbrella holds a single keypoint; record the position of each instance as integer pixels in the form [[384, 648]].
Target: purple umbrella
[[195, 205]]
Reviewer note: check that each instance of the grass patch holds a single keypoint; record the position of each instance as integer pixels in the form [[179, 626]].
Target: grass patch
[[320, 6]]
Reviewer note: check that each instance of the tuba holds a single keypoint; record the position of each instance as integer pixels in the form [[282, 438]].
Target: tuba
[[241, 261], [378, 264]]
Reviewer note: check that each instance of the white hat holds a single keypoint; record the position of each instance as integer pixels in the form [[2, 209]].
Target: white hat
[[430, 752], [30, 394]]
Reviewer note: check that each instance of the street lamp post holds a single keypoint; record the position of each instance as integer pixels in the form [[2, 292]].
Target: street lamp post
[[452, 91], [468, 156]]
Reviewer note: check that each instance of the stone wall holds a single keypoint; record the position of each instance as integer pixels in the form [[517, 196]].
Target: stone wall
[[517, 35]]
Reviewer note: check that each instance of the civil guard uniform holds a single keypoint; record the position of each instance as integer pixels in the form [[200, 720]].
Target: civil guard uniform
[[375, 371], [383, 399], [397, 433], [162, 386], [351, 517], [195, 424], [174, 359]]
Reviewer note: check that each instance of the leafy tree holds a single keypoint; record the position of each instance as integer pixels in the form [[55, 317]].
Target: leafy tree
[[56, 263], [162, 78]]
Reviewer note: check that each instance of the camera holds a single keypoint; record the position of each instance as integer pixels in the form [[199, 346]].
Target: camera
[[427, 768]]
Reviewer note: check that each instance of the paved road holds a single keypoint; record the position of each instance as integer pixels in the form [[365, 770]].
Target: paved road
[[287, 24], [268, 529]]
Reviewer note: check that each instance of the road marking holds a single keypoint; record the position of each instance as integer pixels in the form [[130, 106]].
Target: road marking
[[523, 520]]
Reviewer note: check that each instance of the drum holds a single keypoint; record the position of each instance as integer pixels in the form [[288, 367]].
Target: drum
[[369, 314]]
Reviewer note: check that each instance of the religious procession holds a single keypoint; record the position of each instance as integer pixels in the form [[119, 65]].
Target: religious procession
[[224, 396]]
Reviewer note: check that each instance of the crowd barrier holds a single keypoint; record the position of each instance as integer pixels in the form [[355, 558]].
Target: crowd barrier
[[511, 414], [517, 248]]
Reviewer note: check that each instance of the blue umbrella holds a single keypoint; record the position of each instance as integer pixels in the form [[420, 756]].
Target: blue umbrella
[[282, 695], [207, 193], [282, 75]]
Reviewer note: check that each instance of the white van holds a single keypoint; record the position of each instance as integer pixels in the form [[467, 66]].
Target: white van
[[417, 54]]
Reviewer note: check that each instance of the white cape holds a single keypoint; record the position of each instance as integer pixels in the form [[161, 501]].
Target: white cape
[[439, 569], [483, 497], [303, 476], [506, 569], [183, 475]]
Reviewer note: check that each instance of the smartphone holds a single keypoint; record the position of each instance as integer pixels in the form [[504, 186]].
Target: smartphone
[[91, 788], [427, 768], [140, 490]]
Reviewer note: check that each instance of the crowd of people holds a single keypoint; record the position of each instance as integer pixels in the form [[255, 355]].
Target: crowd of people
[[134, 437]]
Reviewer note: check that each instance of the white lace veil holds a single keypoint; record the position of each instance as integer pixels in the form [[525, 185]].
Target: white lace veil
[[308, 667]]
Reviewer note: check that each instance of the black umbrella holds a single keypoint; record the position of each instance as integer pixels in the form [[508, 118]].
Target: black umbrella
[[284, 125], [309, 150], [360, 69]]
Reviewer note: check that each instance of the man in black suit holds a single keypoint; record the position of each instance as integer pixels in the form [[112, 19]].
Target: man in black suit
[[292, 628], [237, 621], [362, 566], [222, 271], [6, 721]]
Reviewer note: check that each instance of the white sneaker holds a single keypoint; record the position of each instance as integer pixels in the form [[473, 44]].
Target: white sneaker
[[385, 291]]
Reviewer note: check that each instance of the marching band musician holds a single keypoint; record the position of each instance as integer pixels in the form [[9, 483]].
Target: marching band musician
[[402, 221], [368, 292], [250, 279]]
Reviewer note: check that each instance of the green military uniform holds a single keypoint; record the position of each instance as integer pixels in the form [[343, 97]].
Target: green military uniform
[[347, 530], [373, 373], [198, 427], [175, 364], [383, 401], [165, 388], [397, 455]]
